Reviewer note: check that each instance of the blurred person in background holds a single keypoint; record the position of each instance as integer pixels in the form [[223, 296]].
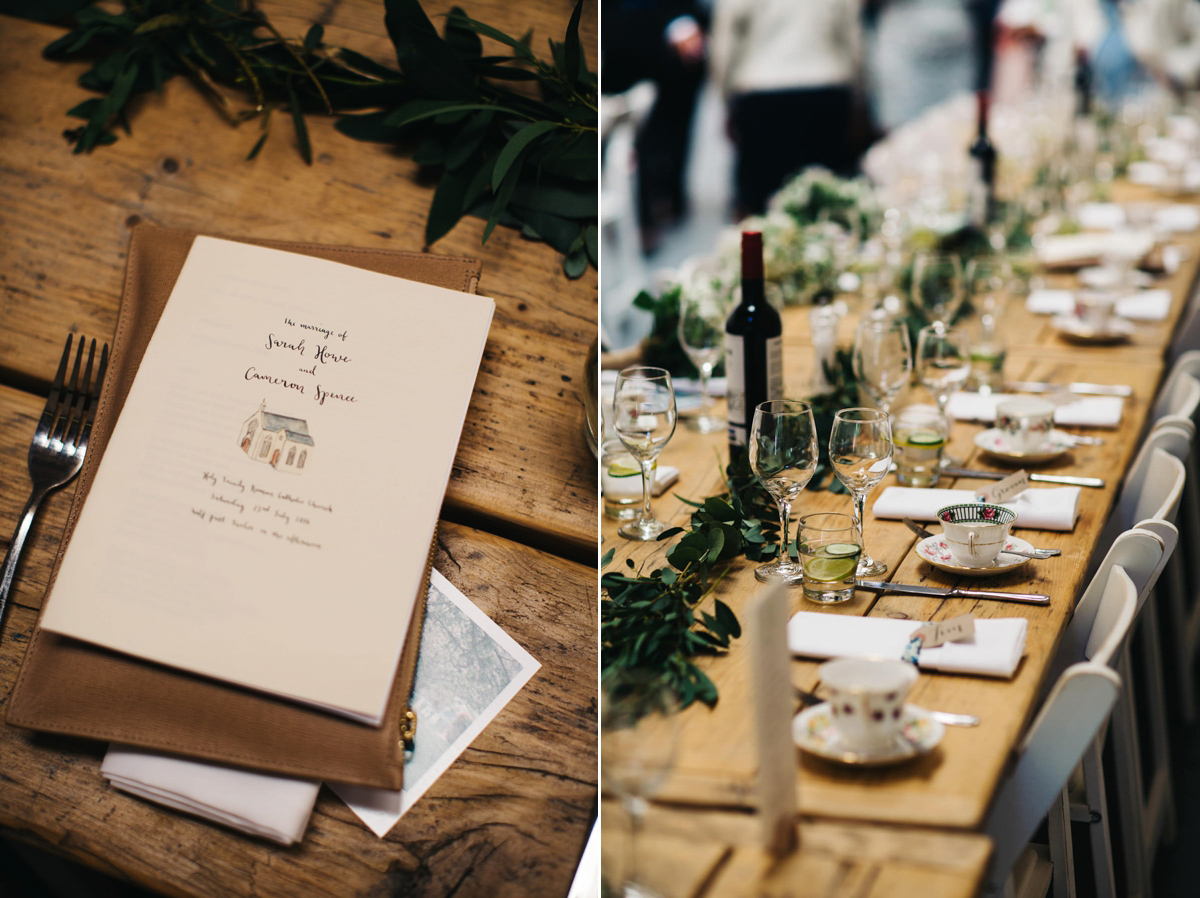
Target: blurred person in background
[[1164, 35], [661, 41], [789, 72], [922, 52]]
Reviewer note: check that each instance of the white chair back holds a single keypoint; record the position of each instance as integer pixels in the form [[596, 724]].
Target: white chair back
[[1069, 720], [1180, 393]]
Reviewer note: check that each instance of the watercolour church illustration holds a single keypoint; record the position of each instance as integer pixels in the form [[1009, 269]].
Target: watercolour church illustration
[[277, 440]]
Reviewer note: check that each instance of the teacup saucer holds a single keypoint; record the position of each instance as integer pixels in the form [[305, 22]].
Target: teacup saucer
[[814, 732], [994, 442], [1115, 330], [935, 550], [1097, 277]]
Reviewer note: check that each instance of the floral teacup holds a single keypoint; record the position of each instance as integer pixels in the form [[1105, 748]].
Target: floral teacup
[[976, 532]]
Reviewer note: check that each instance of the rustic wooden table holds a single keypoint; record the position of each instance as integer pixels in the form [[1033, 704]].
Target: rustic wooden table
[[518, 534], [950, 788]]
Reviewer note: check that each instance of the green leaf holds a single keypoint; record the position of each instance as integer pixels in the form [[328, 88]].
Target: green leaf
[[503, 195], [465, 41], [429, 62], [448, 205], [607, 557], [573, 54], [728, 619], [575, 263], [366, 65], [469, 138], [301, 127], [515, 146], [521, 46], [369, 126], [423, 109], [313, 39], [166, 20], [590, 241]]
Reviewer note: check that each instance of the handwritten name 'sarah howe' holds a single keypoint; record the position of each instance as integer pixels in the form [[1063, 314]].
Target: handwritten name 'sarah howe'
[[321, 355]]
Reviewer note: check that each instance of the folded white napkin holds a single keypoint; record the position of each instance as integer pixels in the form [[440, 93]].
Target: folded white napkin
[[1059, 250], [1100, 216], [1086, 411], [1154, 174], [261, 804], [1044, 508], [1179, 217], [664, 477], [1144, 305], [995, 651]]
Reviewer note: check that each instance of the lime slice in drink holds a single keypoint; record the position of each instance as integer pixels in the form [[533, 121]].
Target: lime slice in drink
[[924, 439], [841, 550], [620, 469], [824, 569]]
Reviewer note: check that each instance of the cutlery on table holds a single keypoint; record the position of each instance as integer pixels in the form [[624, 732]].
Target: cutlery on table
[[953, 471], [1036, 553], [953, 592], [957, 720], [1032, 386], [59, 443]]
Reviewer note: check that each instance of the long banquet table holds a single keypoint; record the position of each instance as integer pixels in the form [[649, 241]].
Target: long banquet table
[[948, 790], [518, 528]]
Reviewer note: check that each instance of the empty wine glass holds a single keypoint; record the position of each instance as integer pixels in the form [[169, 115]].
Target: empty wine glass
[[702, 315], [882, 358], [943, 360], [644, 419], [783, 455], [639, 734], [987, 286], [860, 450], [937, 286]]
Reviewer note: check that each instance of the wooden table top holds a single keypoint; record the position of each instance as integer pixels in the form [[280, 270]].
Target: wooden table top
[[951, 787], [523, 459], [713, 854], [518, 535]]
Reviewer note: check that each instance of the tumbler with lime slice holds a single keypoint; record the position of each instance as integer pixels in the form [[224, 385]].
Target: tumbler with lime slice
[[620, 481], [920, 434], [829, 552]]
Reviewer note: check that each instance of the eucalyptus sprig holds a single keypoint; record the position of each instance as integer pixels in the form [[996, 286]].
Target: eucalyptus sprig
[[510, 138]]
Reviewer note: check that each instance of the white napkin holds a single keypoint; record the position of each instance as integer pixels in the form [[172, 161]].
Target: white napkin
[[995, 651], [664, 477], [1060, 250], [1144, 305], [1044, 508], [261, 804], [1100, 216], [1179, 217], [1154, 174], [1086, 411]]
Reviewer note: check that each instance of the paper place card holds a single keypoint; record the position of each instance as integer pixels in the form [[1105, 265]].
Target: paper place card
[[956, 629], [1003, 490], [264, 509]]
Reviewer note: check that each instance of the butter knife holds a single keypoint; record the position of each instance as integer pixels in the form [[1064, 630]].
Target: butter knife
[[954, 592], [1035, 386], [952, 471]]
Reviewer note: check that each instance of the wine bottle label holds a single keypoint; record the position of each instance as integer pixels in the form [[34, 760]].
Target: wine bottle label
[[739, 414], [775, 368], [735, 390]]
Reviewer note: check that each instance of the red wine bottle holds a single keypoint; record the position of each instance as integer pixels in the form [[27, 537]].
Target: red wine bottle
[[982, 191], [753, 348]]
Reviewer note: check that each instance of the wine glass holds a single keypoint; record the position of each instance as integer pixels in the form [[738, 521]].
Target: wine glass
[[639, 735], [943, 360], [987, 281], [882, 358], [644, 419], [702, 335], [860, 450], [783, 455], [937, 286]]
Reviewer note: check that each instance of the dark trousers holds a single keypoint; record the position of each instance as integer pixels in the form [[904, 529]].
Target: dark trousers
[[778, 133]]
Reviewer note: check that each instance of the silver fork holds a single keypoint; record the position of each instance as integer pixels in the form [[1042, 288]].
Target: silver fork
[[1036, 553], [59, 444]]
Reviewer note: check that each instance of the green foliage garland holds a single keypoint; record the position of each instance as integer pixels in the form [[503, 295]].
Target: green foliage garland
[[509, 138]]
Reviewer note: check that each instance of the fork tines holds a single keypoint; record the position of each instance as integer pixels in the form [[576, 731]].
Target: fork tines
[[68, 416]]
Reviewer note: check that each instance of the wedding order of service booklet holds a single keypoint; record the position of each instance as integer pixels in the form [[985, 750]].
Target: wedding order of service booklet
[[266, 504]]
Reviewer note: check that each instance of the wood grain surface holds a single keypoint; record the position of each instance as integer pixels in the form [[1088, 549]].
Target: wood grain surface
[[710, 853], [65, 218]]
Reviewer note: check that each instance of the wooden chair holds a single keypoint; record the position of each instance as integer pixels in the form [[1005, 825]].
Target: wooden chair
[[1069, 722]]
